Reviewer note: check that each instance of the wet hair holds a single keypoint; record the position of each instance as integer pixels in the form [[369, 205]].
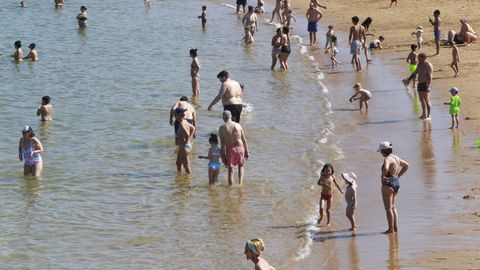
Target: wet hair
[[422, 55], [223, 74], [184, 98], [250, 8], [32, 46], [387, 151], [279, 30], [327, 166], [213, 139], [286, 30], [193, 52], [367, 22], [413, 47], [46, 99], [17, 44], [355, 19], [436, 12], [256, 244], [204, 7], [83, 8], [381, 38]]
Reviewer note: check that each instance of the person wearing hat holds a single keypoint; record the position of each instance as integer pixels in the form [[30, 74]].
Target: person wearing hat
[[190, 114], [455, 102], [18, 54], [362, 94], [351, 197], [183, 138], [392, 169], [253, 249], [418, 34], [82, 17], [29, 149], [234, 147]]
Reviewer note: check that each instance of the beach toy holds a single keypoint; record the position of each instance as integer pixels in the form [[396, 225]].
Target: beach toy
[[478, 143]]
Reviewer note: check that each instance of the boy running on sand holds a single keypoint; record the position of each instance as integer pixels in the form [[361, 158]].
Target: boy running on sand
[[455, 102], [362, 94], [351, 197], [455, 57], [436, 29], [412, 62], [203, 16]]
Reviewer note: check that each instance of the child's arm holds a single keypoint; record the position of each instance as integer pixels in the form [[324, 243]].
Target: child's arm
[[336, 184], [206, 157], [354, 196], [352, 97], [320, 180], [447, 103], [39, 110]]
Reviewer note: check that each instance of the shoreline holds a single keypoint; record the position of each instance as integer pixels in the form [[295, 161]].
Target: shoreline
[[433, 153]]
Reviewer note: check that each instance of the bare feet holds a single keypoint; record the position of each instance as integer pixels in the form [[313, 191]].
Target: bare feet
[[353, 229], [319, 221], [422, 117], [388, 231]]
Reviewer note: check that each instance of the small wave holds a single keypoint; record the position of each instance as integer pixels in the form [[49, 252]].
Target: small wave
[[308, 235], [229, 6], [247, 107], [303, 49]]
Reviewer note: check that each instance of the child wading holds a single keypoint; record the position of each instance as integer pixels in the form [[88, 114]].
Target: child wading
[[362, 94], [351, 197], [326, 179], [214, 160], [455, 102]]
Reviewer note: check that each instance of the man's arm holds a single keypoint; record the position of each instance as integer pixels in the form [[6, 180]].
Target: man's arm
[[218, 97], [429, 73], [350, 35], [245, 145]]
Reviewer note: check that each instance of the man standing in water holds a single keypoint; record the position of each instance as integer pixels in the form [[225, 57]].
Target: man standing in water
[[234, 148], [313, 16], [425, 73], [231, 95], [356, 38], [190, 114], [250, 23]]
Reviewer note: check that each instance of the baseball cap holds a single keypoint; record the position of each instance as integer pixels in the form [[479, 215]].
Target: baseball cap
[[454, 90]]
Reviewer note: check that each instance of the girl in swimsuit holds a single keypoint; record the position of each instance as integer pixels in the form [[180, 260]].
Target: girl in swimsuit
[[214, 160], [194, 69], [285, 50], [277, 42], [253, 249], [29, 149], [392, 169], [326, 179]]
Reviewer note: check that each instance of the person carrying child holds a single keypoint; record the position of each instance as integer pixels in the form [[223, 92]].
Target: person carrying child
[[351, 197], [362, 94], [455, 102], [326, 179], [214, 160]]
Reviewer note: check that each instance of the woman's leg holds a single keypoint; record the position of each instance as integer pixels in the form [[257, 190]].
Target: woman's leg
[[320, 212], [27, 170], [179, 159], [37, 169], [329, 203], [387, 196], [186, 160], [394, 211]]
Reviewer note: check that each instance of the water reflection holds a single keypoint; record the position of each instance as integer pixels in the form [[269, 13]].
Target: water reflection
[[44, 130], [393, 260], [456, 139], [428, 154], [353, 254], [31, 191]]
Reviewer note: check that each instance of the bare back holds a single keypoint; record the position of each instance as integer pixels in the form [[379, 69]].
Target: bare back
[[357, 32], [232, 93], [231, 134]]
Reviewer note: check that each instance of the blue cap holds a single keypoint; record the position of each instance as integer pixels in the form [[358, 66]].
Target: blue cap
[[454, 90]]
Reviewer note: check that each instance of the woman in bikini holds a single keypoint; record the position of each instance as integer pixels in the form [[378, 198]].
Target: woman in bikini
[[326, 179], [277, 42], [253, 249], [392, 169], [285, 50], [194, 69], [183, 138], [29, 149]]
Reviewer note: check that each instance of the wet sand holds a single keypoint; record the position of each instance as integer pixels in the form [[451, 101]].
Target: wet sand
[[439, 196]]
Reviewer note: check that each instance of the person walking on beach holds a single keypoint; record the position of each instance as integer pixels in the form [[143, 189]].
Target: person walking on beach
[[455, 57], [231, 94], [190, 114], [455, 102], [412, 62], [250, 24], [29, 149], [392, 169], [234, 147], [361, 94], [327, 178], [366, 25], [242, 3], [276, 10], [194, 70], [425, 73], [45, 110], [33, 54], [436, 29], [214, 160], [183, 138], [351, 198], [253, 249], [82, 17], [356, 38], [277, 43], [18, 54], [313, 16]]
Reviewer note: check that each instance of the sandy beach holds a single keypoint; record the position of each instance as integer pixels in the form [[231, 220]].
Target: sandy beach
[[438, 231]]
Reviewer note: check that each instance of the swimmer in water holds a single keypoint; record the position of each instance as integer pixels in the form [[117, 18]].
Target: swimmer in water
[[23, 4], [58, 3], [45, 110], [29, 149], [82, 17], [214, 160], [33, 54], [203, 16], [18, 54], [194, 70]]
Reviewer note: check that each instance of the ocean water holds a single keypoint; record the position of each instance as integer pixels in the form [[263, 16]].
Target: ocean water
[[110, 196]]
